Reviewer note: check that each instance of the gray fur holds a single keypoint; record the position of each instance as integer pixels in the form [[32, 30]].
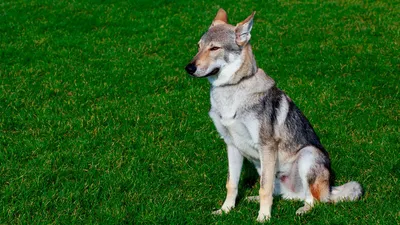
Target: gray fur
[[263, 123]]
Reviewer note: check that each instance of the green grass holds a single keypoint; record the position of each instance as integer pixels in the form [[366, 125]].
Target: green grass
[[100, 124]]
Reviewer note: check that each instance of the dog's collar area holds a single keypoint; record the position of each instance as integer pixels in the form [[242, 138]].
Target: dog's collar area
[[240, 80]]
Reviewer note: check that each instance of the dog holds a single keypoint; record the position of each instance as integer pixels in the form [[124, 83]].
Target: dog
[[261, 123]]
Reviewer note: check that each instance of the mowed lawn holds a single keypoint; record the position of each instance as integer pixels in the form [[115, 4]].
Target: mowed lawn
[[100, 124]]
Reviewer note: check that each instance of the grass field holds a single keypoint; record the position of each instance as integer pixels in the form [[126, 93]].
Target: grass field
[[99, 123]]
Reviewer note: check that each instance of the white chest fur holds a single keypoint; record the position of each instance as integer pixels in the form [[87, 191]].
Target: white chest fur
[[230, 113], [236, 127]]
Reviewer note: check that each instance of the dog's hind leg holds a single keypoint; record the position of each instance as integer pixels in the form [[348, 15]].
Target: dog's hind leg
[[235, 160], [314, 178]]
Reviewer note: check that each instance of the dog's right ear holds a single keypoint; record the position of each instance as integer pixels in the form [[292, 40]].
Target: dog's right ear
[[220, 18], [243, 29]]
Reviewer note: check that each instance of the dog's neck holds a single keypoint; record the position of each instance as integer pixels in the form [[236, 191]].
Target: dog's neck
[[241, 68]]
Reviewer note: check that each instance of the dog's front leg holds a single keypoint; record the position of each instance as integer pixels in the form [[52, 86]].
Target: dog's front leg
[[235, 160], [268, 155]]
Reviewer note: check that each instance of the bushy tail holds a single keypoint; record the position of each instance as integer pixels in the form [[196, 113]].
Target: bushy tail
[[350, 191]]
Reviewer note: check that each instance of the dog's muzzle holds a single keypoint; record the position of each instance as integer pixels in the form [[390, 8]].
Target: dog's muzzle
[[213, 72], [191, 68]]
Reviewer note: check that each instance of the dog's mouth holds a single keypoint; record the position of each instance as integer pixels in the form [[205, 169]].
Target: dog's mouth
[[213, 72]]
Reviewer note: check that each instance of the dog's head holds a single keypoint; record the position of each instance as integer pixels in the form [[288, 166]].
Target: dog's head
[[220, 46]]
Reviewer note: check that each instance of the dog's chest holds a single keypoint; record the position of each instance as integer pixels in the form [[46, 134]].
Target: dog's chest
[[235, 124]]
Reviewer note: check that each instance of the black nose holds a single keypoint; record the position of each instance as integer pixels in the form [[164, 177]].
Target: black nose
[[191, 68]]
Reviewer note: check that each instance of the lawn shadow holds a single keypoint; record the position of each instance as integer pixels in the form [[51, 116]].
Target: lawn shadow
[[249, 180], [249, 184]]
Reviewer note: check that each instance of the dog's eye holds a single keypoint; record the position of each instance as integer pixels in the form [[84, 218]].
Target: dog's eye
[[214, 48]]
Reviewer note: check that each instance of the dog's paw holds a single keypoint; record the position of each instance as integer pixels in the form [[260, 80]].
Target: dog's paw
[[302, 210], [221, 211], [253, 199], [217, 212], [262, 218]]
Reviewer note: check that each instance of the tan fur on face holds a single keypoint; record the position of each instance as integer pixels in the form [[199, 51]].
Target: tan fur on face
[[204, 59]]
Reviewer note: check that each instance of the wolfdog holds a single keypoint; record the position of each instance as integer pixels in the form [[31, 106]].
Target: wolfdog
[[261, 123]]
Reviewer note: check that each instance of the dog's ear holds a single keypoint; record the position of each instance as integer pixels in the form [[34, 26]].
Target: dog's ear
[[220, 18], [243, 29]]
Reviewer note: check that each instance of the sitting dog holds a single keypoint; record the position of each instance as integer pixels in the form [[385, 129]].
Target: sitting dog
[[261, 123]]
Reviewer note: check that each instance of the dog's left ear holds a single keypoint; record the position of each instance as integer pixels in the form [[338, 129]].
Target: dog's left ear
[[243, 29], [220, 18]]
